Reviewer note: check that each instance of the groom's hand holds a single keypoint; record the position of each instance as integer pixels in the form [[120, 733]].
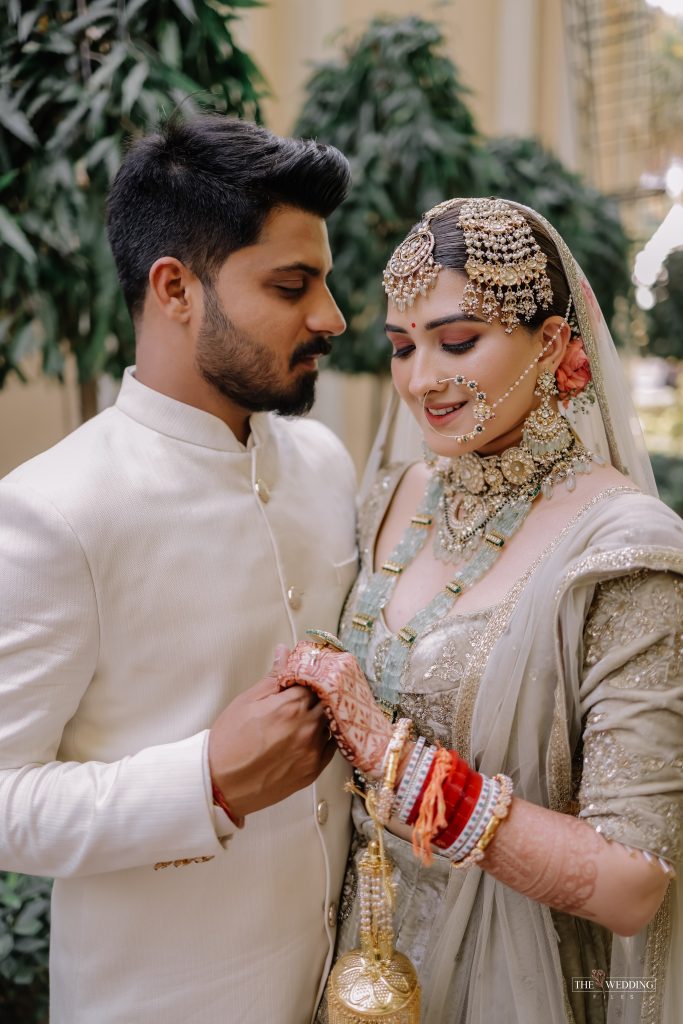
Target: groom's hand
[[268, 744]]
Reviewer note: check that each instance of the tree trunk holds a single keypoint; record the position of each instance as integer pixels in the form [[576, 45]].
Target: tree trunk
[[87, 390]]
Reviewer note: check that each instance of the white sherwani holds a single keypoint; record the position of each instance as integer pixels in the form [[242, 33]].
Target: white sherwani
[[149, 563]]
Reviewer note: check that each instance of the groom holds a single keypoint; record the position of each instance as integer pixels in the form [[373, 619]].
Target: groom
[[192, 816]]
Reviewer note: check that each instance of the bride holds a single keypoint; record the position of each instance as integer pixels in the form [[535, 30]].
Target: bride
[[518, 614]]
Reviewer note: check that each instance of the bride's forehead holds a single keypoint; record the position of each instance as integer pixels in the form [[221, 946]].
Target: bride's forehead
[[444, 299]]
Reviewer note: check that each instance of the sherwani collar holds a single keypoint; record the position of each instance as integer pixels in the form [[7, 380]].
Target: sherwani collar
[[185, 422]]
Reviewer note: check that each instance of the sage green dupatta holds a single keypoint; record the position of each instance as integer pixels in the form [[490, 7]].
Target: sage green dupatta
[[519, 711]]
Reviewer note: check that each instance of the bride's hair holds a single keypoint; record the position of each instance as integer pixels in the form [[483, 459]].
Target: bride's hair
[[450, 252]]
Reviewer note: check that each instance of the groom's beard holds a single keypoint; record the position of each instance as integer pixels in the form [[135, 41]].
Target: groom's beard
[[241, 367]]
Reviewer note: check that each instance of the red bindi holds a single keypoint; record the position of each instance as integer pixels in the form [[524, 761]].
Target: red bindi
[[412, 325]]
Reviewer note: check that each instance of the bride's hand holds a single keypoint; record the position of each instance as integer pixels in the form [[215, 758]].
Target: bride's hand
[[361, 729]]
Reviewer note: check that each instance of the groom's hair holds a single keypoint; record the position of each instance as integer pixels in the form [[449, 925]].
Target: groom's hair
[[201, 188]]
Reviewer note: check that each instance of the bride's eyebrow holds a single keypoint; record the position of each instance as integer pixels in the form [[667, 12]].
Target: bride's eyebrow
[[431, 325]]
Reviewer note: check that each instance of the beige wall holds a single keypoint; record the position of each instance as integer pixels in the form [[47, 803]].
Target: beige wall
[[511, 54], [35, 416]]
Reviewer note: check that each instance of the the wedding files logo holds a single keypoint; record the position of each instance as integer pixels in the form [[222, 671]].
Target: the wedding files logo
[[599, 983]]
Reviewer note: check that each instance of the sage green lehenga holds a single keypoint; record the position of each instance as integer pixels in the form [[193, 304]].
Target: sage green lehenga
[[572, 684], [611, 743]]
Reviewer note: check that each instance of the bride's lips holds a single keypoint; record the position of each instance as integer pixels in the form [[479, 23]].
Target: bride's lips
[[439, 414]]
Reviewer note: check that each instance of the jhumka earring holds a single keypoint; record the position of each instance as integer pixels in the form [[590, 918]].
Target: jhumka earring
[[544, 431]]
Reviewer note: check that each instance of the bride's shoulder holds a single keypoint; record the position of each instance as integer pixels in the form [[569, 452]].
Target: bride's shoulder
[[608, 505]]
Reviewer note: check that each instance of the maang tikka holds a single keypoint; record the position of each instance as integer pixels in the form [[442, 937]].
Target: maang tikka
[[505, 266]]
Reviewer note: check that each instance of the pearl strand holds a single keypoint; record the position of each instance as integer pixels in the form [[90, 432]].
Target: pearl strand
[[540, 355]]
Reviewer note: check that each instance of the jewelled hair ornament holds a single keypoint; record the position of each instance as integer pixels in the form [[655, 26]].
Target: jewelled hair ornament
[[505, 265]]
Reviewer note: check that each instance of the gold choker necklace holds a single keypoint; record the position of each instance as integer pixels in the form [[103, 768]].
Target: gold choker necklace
[[477, 488]]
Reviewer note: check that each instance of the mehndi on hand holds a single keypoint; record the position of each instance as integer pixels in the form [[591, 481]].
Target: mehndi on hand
[[357, 723]]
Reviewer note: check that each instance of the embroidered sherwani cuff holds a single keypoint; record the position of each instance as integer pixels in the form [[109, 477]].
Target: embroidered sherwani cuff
[[68, 819]]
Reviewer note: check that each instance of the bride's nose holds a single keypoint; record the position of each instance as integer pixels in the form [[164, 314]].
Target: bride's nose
[[425, 375]]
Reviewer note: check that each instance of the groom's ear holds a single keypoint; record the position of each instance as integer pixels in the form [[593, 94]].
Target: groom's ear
[[173, 289]]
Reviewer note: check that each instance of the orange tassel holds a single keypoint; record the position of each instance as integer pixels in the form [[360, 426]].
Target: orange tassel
[[432, 816]]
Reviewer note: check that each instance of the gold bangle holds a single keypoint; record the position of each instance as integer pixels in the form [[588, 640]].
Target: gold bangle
[[385, 798]]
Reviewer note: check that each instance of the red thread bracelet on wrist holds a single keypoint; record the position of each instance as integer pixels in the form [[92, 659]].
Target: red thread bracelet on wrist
[[220, 801]]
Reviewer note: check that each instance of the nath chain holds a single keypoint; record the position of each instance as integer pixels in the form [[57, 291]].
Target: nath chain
[[482, 410]]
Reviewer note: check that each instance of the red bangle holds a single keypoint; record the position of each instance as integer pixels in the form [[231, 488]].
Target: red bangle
[[220, 801], [455, 791], [452, 788], [463, 812]]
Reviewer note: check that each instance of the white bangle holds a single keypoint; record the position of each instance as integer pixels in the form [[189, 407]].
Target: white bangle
[[408, 773], [416, 784]]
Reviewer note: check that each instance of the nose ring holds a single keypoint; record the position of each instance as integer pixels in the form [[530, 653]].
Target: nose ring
[[482, 411]]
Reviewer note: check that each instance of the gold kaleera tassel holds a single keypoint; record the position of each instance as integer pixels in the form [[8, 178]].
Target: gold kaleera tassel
[[374, 984]]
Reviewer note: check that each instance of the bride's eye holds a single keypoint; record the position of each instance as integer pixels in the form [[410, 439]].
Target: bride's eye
[[459, 346], [402, 352]]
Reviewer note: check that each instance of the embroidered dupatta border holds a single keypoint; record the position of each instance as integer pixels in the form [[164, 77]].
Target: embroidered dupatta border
[[616, 563], [469, 686]]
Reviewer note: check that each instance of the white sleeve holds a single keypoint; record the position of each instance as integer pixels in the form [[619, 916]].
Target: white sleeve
[[68, 818]]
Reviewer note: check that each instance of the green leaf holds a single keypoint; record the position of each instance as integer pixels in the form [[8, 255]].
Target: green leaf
[[25, 342], [7, 179], [109, 65], [12, 235], [186, 7], [28, 922], [6, 946], [23, 976], [68, 125], [98, 9], [131, 9], [16, 122], [170, 46], [26, 24], [132, 86]]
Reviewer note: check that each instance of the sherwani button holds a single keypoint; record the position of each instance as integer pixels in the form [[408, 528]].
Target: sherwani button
[[294, 598], [322, 811], [332, 915], [261, 488]]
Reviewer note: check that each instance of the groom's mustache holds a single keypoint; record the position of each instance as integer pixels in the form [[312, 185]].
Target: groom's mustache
[[315, 347]]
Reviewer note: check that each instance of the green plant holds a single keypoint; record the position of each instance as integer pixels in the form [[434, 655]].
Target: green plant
[[395, 106], [668, 470], [665, 337], [521, 169], [24, 945], [76, 78]]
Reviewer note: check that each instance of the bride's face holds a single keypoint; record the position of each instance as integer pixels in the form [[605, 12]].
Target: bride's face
[[434, 340]]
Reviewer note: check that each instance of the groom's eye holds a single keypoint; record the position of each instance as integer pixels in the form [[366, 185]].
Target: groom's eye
[[291, 291]]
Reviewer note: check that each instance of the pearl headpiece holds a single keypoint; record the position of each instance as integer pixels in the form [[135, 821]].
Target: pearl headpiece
[[505, 265]]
